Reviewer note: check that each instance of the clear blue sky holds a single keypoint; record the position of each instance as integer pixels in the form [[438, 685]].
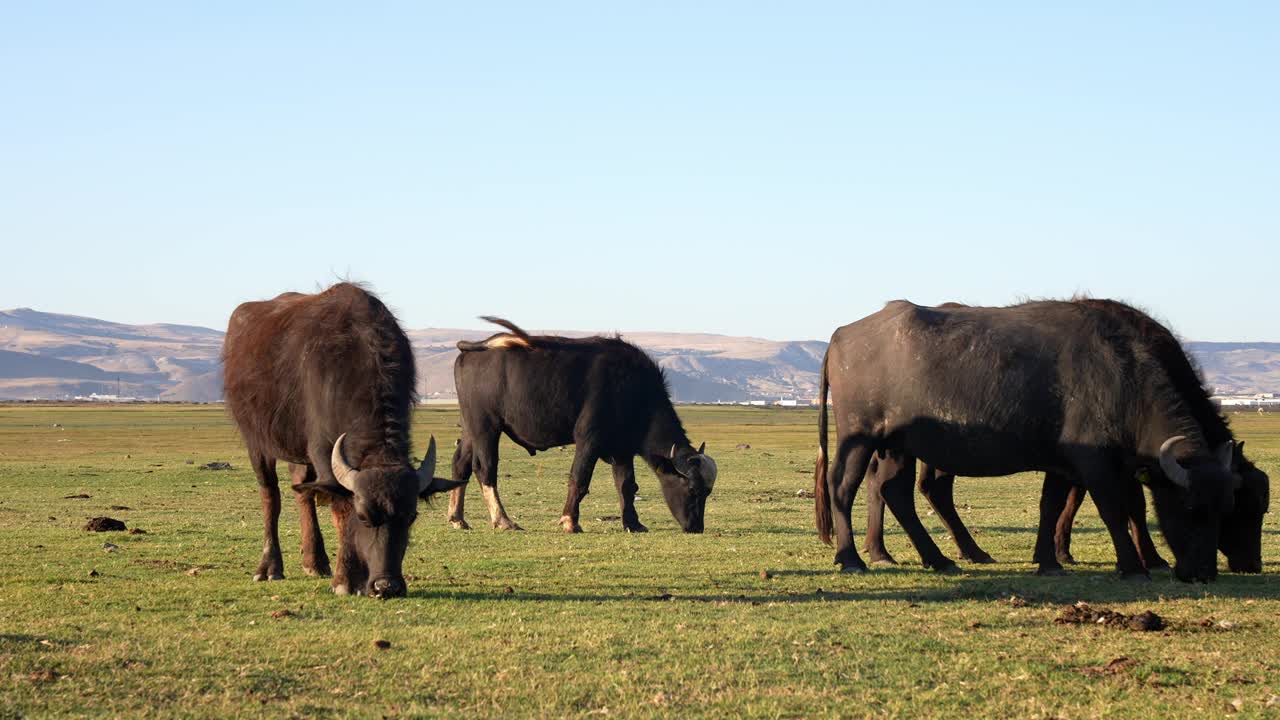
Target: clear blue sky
[[758, 169]]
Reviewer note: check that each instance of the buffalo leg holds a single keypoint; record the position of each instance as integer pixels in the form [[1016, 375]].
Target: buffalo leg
[[879, 469], [854, 455], [350, 571], [624, 479], [584, 464], [350, 574], [271, 567], [485, 464], [1137, 506], [938, 488], [1066, 520], [1141, 535], [315, 561], [462, 459], [1053, 496], [898, 493], [1111, 497]]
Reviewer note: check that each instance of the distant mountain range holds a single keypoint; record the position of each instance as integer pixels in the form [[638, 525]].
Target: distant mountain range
[[51, 356]]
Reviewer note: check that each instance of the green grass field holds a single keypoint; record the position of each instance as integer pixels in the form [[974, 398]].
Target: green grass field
[[603, 624]]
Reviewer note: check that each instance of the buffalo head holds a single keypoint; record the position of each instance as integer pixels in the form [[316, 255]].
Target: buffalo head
[[687, 477], [1241, 538], [1190, 504], [383, 503]]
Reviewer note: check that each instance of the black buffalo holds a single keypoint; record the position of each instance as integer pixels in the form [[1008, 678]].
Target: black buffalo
[[1050, 386], [603, 395], [1241, 534], [888, 473], [326, 382]]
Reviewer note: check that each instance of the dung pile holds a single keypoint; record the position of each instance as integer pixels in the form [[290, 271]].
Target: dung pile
[[104, 524], [1082, 613]]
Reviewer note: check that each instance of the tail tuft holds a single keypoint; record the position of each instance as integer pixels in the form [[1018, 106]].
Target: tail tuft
[[510, 326], [821, 497], [517, 337]]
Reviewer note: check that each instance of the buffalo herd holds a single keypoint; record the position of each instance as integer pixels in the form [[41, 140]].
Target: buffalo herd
[[1095, 394]]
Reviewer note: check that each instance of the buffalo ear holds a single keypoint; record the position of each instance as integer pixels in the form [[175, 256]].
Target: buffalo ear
[[439, 485], [320, 490], [1224, 454], [702, 449]]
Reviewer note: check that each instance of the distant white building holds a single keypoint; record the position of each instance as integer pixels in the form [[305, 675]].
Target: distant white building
[[95, 397], [1258, 400]]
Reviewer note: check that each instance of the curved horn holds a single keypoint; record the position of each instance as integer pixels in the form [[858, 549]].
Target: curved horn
[[672, 455], [702, 449], [342, 472], [427, 470], [1177, 474]]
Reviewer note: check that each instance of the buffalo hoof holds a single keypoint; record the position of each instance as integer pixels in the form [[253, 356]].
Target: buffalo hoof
[[341, 589], [879, 556], [1136, 577], [270, 567], [1066, 559], [947, 568], [1159, 564], [568, 525], [980, 558], [505, 524], [1052, 572], [638, 528], [459, 524], [849, 561], [316, 564]]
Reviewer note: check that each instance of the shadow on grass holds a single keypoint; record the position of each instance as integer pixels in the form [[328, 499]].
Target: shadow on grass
[[973, 583], [17, 639]]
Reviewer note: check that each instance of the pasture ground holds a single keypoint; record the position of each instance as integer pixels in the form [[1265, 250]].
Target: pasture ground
[[603, 624]]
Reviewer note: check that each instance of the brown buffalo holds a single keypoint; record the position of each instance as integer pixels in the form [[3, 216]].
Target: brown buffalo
[[326, 383]]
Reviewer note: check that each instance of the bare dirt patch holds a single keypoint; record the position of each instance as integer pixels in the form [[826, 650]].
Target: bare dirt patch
[[1115, 666], [43, 676]]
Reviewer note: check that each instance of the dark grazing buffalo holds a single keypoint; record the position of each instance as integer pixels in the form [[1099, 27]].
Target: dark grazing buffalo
[[326, 382], [1057, 387], [889, 473], [1241, 534], [1240, 538], [603, 395]]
